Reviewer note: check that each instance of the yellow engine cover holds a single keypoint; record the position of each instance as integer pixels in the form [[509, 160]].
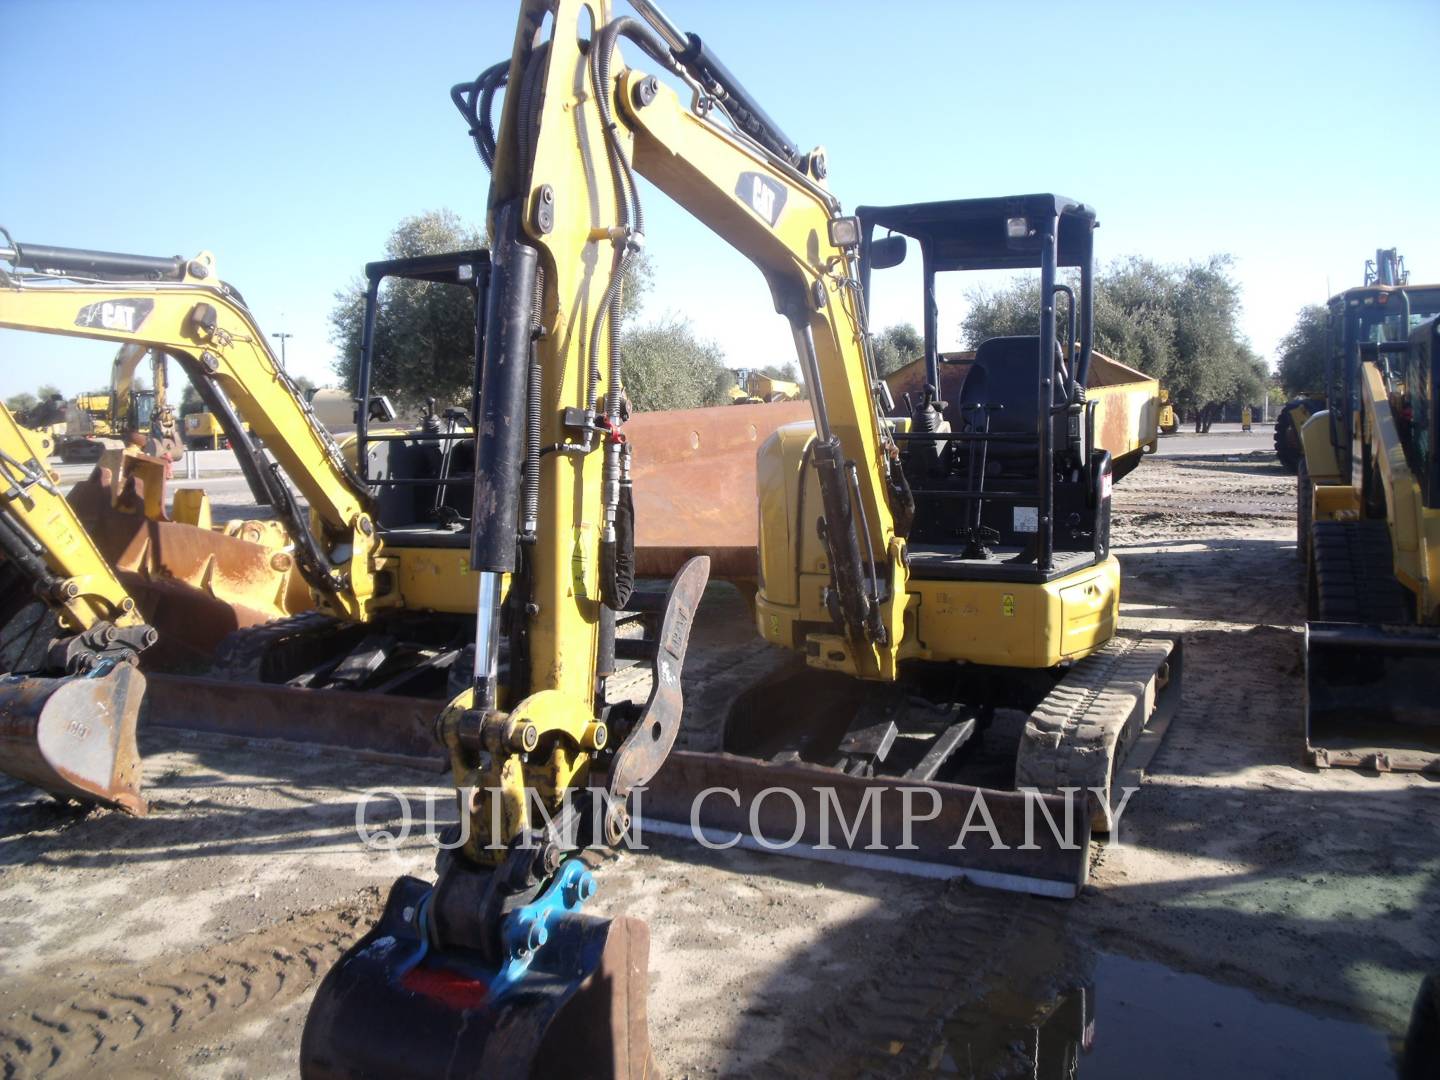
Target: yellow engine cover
[[1006, 624]]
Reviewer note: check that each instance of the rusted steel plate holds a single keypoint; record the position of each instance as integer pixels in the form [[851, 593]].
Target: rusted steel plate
[[996, 838], [378, 726], [694, 472], [194, 585], [75, 736]]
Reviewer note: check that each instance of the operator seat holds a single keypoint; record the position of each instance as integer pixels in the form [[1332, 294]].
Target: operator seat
[[1003, 373]]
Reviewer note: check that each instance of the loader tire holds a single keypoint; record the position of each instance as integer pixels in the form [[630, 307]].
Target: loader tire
[[1287, 441]]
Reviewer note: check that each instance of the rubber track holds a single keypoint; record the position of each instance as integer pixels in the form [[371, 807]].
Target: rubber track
[[1354, 575], [713, 680], [81, 1029], [1085, 726], [242, 655]]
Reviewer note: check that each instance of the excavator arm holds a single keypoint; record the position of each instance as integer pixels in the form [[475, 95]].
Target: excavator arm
[[68, 644], [494, 961], [181, 308], [784, 221], [162, 426], [41, 535]]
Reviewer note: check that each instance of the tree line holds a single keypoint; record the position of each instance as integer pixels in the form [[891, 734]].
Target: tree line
[[1178, 322], [423, 333]]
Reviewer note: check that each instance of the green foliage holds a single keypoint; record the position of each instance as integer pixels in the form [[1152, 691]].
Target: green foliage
[[896, 346], [424, 333], [1178, 323], [786, 371], [1302, 352], [667, 367], [24, 403], [190, 401]]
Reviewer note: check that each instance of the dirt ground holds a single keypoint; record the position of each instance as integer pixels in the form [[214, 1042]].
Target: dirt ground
[[190, 941]]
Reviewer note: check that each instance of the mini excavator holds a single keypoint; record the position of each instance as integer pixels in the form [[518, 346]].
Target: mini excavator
[[979, 539]]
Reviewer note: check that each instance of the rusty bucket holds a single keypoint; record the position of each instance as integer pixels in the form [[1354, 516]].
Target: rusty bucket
[[75, 736]]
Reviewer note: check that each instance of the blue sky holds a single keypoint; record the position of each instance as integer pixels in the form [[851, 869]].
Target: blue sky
[[289, 138]]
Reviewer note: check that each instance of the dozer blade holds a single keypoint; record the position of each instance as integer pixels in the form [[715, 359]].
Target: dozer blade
[[75, 736], [390, 1009], [1370, 696], [1018, 841]]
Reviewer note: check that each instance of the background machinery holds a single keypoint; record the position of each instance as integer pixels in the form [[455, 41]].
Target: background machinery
[[1372, 642], [752, 387], [356, 582], [979, 541], [127, 415], [1384, 309], [1355, 316]]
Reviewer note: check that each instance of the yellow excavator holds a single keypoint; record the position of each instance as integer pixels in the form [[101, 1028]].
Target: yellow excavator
[[70, 636], [358, 581], [127, 416], [896, 555]]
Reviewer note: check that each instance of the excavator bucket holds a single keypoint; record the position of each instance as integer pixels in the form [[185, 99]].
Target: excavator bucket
[[75, 736], [1370, 697], [580, 1010]]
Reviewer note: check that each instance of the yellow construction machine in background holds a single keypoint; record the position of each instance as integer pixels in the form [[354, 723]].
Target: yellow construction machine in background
[[360, 578], [72, 631], [754, 387], [1169, 415], [1370, 526], [126, 416]]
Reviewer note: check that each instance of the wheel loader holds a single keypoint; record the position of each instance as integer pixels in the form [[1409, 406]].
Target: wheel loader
[[896, 555]]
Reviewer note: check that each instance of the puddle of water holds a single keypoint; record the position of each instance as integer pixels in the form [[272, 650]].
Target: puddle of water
[[1112, 1016], [1152, 1021]]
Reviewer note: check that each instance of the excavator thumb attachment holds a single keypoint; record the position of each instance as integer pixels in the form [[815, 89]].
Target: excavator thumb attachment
[[75, 736], [392, 1008], [1370, 698]]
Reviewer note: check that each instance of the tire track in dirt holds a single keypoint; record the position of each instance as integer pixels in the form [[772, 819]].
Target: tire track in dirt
[[64, 1023]]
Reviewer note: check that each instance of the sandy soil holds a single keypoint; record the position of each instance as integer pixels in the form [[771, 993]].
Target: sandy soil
[[189, 942]]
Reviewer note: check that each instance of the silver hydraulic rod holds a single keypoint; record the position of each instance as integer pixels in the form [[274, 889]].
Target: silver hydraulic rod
[[669, 33], [487, 639]]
